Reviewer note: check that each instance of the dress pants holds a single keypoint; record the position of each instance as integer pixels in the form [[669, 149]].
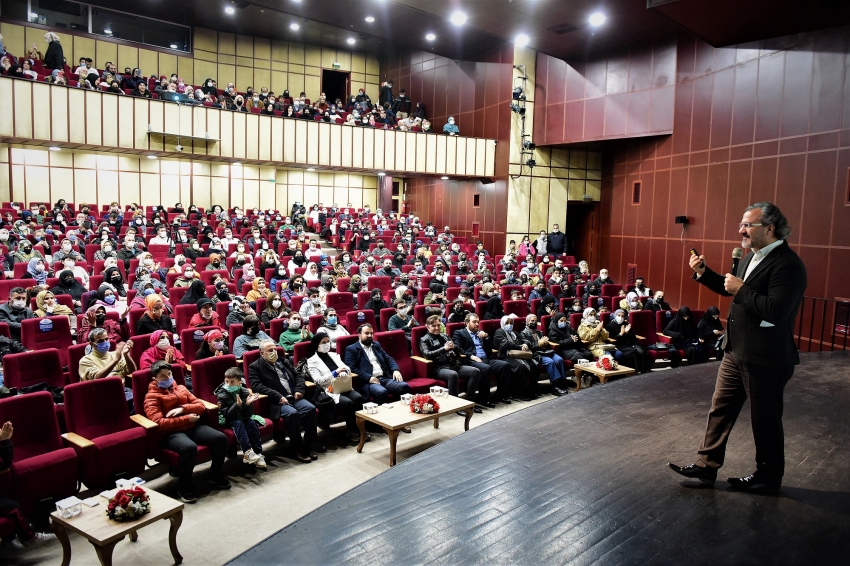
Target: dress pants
[[474, 382], [380, 391], [349, 403], [296, 414], [554, 366], [185, 443], [500, 369], [247, 435], [764, 385]]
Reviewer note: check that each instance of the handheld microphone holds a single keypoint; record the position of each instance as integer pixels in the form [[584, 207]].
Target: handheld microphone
[[737, 253]]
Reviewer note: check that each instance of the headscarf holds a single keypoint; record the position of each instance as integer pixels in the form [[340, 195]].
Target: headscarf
[[686, 328], [75, 289], [154, 354], [197, 291], [556, 318], [326, 358], [150, 301], [212, 336], [214, 258], [586, 313], [309, 276], [39, 276], [708, 321], [547, 300], [58, 309], [185, 268], [248, 275], [504, 320]]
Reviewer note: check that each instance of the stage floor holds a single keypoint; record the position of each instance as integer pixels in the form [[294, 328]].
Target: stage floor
[[582, 479]]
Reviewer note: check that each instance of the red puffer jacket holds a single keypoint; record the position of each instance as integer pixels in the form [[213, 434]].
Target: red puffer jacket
[[159, 401]]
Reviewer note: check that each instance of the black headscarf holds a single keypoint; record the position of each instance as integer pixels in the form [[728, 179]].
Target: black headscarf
[[197, 291], [494, 309], [108, 277], [68, 285], [547, 300], [326, 358], [708, 324], [681, 329]]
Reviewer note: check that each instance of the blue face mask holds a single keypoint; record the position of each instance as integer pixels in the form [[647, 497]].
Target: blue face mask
[[165, 384], [147, 292], [509, 328], [562, 325], [332, 320], [109, 299], [103, 347]]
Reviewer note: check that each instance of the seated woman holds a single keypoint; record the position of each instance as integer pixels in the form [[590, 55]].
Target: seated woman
[[107, 297], [215, 264], [324, 366], [156, 318], [187, 277], [684, 335], [710, 330], [197, 291], [523, 381], [47, 305], [96, 318], [178, 414], [68, 285], [206, 315], [296, 332], [544, 356], [332, 328], [593, 334], [214, 345], [37, 270], [251, 336], [259, 290], [493, 310], [274, 309], [162, 349], [633, 355]]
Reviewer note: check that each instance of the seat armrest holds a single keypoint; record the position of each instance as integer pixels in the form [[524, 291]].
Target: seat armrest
[[420, 359], [421, 366], [639, 337], [143, 421], [309, 384], [663, 338], [77, 441], [211, 413], [208, 406]]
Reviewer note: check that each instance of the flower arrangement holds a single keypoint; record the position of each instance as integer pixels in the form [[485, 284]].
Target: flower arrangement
[[424, 404], [607, 362], [128, 504]]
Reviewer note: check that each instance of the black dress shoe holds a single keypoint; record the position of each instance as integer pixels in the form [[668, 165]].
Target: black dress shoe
[[477, 409], [488, 404], [693, 471], [753, 484], [461, 413], [506, 401]]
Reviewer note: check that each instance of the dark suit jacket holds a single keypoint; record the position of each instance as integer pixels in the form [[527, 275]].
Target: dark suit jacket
[[358, 361], [463, 342], [264, 380], [771, 293]]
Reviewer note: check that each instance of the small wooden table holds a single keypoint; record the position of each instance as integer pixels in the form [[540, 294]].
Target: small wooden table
[[600, 373], [104, 534], [395, 419]]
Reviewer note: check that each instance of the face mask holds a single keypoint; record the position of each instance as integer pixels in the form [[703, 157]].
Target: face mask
[[271, 357], [130, 245], [324, 348], [591, 320], [165, 384], [332, 320], [402, 311], [27, 249], [276, 304], [39, 268], [109, 300], [232, 388], [66, 248], [620, 320], [18, 304], [4, 237], [562, 324], [107, 249], [102, 347], [218, 344], [100, 319], [315, 300], [147, 292], [189, 273], [163, 344], [509, 328]]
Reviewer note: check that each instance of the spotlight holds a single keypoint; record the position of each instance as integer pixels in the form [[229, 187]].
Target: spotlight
[[174, 46], [531, 163], [596, 19], [350, 40], [528, 145], [521, 40], [310, 169], [236, 164], [518, 93], [294, 27], [55, 148], [444, 178], [458, 18], [370, 19], [430, 37], [230, 10], [151, 156], [381, 174], [517, 109]]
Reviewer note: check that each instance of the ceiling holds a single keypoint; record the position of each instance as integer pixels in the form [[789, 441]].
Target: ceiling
[[556, 27]]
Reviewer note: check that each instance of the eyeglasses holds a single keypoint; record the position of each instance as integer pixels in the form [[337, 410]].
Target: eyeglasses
[[748, 225]]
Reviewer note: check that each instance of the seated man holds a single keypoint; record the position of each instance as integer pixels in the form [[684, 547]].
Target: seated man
[[178, 412], [14, 311], [285, 388], [377, 373], [388, 270], [603, 279], [654, 304], [476, 344], [449, 367], [100, 362], [641, 289]]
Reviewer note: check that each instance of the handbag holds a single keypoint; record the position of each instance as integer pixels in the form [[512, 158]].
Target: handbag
[[548, 353], [519, 355], [608, 347], [341, 384]]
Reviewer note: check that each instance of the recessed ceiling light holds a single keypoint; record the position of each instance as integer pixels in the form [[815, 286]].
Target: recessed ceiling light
[[381, 174], [174, 46], [430, 37], [294, 27], [444, 178], [107, 31], [596, 19], [229, 10], [458, 18], [236, 164], [151, 156], [55, 148], [350, 41], [310, 169], [521, 40], [370, 19]]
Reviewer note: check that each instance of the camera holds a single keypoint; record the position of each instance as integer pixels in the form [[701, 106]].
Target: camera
[[178, 147]]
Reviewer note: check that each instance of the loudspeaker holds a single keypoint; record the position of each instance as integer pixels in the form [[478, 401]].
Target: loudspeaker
[[682, 220], [487, 180]]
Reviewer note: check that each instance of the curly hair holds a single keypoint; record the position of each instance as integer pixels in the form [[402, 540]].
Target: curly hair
[[771, 215]]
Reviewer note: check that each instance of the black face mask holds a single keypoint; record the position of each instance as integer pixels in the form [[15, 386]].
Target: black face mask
[[222, 292], [27, 249], [532, 325], [67, 282], [181, 262], [100, 319]]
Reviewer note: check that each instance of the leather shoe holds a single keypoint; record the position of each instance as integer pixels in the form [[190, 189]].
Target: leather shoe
[[406, 429], [314, 455], [303, 458], [461, 413], [506, 401], [477, 409], [693, 471], [488, 404], [753, 484]]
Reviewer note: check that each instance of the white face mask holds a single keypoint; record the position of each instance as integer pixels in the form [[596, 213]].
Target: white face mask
[[591, 320], [294, 324], [66, 248], [276, 304], [324, 348], [620, 320], [163, 344], [315, 300]]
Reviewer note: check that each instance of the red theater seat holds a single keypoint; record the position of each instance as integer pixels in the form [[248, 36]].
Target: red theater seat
[[414, 371]]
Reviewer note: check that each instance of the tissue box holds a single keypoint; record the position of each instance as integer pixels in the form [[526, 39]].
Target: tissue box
[[436, 390], [406, 398], [129, 483], [69, 507], [370, 408]]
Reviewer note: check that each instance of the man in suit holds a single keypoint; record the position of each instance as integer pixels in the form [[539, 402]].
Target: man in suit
[[276, 378], [760, 353], [556, 242], [477, 345], [377, 372]]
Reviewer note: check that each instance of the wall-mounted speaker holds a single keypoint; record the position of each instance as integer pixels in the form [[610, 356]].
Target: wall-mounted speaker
[[682, 220]]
